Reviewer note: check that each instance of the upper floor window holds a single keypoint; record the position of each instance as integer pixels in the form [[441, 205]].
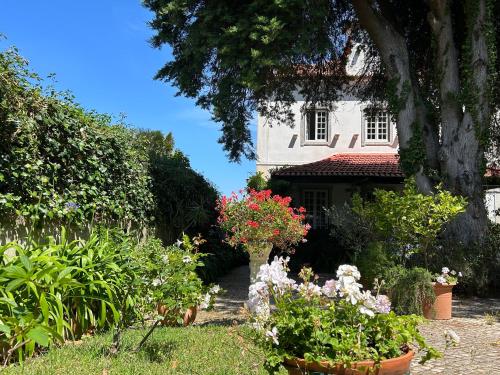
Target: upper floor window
[[376, 123], [317, 125]]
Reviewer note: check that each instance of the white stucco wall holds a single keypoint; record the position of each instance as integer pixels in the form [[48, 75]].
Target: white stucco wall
[[281, 145]]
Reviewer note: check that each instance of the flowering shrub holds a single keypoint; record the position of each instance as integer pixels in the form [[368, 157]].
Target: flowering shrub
[[259, 216], [337, 322], [170, 278], [448, 277]]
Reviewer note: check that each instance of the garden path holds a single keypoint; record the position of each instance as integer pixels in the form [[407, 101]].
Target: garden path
[[475, 320]]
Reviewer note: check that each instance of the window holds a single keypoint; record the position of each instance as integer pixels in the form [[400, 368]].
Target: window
[[317, 125], [376, 126], [315, 202]]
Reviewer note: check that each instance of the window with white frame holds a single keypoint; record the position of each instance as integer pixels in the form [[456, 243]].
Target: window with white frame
[[316, 128], [315, 202], [376, 126]]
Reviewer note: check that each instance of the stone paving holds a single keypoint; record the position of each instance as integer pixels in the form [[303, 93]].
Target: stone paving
[[476, 321]]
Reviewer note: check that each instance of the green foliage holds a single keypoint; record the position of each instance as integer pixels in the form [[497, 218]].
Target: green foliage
[[169, 278], [410, 220], [373, 260], [205, 349], [185, 200], [257, 182], [338, 322], [60, 290], [61, 163], [349, 227], [409, 288]]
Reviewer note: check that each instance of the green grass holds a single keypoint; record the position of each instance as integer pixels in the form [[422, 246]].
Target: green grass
[[192, 350]]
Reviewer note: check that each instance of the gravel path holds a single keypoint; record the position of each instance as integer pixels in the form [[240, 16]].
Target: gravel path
[[477, 353]]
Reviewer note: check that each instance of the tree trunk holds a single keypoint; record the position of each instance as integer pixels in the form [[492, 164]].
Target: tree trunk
[[456, 153]]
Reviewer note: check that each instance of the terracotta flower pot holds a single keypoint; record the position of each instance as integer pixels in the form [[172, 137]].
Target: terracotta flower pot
[[171, 320], [441, 308], [393, 366]]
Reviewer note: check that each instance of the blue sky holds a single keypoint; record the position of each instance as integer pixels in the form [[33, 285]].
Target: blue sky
[[99, 50]]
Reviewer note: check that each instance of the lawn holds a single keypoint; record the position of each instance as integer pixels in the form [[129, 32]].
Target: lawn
[[192, 350]]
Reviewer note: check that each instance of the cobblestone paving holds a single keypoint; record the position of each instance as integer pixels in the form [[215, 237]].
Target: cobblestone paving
[[477, 353]]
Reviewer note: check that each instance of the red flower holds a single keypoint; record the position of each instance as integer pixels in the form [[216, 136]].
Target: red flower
[[254, 206], [276, 232], [302, 209], [252, 224]]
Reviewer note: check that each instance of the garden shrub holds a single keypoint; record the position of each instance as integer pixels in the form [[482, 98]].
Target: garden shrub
[[372, 261], [59, 162], [408, 288], [185, 200], [169, 278], [55, 291]]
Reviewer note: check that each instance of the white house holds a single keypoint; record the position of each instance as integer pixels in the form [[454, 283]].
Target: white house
[[332, 152]]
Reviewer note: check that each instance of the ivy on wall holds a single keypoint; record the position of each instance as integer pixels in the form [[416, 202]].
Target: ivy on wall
[[61, 162]]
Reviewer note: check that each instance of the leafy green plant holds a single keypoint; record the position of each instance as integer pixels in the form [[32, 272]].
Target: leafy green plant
[[59, 162], [59, 290], [337, 322], [170, 281], [410, 220], [410, 289]]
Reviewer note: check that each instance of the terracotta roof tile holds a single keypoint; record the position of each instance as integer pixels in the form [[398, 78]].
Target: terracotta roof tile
[[371, 165]]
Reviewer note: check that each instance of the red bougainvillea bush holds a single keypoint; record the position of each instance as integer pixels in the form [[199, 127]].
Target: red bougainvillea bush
[[259, 216]]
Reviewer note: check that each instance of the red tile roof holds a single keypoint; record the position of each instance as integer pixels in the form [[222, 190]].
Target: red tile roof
[[371, 165]]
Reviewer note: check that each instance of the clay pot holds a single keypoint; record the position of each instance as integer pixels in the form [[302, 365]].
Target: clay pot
[[171, 320], [441, 308], [393, 366]]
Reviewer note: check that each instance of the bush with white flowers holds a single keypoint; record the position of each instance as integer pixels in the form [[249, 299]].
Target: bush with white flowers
[[448, 277], [170, 279], [338, 322]]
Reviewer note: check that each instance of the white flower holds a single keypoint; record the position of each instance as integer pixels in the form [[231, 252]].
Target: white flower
[[445, 270], [186, 259], [273, 334], [214, 290], [349, 289], [258, 300], [460, 274], [330, 288], [205, 303], [383, 304], [164, 258], [452, 338], [453, 272], [276, 275], [156, 282], [309, 290], [365, 310], [178, 243], [348, 270], [441, 280]]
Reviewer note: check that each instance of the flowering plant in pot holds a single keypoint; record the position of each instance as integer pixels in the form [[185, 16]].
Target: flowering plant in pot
[[443, 285], [259, 220], [332, 328], [171, 284]]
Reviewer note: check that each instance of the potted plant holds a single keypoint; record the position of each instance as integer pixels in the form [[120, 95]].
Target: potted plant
[[258, 220], [335, 328], [443, 285], [171, 283]]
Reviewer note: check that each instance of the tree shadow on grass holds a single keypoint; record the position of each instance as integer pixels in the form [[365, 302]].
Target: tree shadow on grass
[[158, 351]]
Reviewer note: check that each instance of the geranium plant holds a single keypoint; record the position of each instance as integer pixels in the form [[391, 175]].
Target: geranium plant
[[170, 278], [259, 216], [337, 322], [447, 277]]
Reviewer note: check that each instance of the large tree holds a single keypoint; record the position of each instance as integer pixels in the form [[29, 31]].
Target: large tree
[[434, 63]]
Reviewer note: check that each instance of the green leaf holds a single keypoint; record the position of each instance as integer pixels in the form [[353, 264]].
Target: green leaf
[[39, 335]]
